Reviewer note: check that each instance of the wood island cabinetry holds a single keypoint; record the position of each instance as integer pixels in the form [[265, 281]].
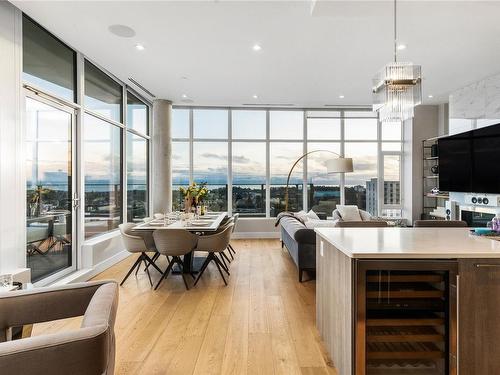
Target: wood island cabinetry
[[397, 308]]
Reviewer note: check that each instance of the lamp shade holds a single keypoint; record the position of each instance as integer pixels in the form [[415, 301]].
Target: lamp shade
[[339, 165]]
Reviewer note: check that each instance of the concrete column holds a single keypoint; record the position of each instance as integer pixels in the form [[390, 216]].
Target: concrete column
[[162, 156]]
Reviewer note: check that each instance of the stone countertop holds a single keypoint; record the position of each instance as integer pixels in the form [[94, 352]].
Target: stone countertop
[[410, 243]]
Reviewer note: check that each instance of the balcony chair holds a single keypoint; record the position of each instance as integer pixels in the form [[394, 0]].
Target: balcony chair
[[89, 350]]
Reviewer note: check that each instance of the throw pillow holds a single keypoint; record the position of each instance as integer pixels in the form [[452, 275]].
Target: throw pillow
[[365, 216], [311, 215], [349, 213], [301, 215]]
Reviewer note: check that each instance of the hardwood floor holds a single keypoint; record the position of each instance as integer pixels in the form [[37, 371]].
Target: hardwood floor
[[263, 322]]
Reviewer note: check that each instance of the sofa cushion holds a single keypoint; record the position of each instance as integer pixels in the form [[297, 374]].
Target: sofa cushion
[[349, 212]]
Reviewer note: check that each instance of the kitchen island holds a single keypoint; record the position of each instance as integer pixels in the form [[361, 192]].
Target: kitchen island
[[408, 300]]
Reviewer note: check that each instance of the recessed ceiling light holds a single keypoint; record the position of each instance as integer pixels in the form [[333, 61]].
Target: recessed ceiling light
[[341, 96], [256, 47], [255, 96], [184, 96], [430, 96], [401, 47], [139, 47], [123, 31]]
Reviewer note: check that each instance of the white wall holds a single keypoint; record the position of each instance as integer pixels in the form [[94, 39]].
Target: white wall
[[475, 106], [424, 125], [12, 162]]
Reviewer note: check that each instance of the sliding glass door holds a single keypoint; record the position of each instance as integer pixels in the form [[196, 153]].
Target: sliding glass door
[[51, 198]]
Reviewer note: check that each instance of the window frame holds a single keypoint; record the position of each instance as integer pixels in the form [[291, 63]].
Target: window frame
[[304, 140]]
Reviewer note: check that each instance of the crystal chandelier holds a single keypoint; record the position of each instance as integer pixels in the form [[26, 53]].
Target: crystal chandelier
[[397, 88]]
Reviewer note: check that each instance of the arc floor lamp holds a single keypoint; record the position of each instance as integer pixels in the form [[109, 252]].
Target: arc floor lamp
[[336, 165]]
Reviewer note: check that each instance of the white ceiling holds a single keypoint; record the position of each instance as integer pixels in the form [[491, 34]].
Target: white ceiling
[[311, 53]]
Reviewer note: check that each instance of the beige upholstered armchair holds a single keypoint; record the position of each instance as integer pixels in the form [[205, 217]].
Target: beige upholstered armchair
[[86, 351]]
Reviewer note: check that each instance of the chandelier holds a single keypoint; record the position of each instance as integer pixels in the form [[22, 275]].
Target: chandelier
[[397, 88]]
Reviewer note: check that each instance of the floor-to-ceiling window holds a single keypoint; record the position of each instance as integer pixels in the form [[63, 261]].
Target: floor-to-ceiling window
[[246, 154], [137, 146], [85, 144]]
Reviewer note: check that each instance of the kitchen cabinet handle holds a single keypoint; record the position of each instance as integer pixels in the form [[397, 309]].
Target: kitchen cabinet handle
[[485, 265]]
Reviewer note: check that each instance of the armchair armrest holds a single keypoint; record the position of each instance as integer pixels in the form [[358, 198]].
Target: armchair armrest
[[81, 352], [45, 304]]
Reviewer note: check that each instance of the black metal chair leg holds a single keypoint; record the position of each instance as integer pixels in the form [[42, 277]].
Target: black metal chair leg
[[220, 271], [221, 257], [136, 264], [203, 267], [165, 274], [152, 262], [223, 254], [141, 258], [217, 260], [147, 271], [230, 253], [231, 248]]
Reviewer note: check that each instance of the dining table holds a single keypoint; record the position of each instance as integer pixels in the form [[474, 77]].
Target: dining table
[[201, 225]]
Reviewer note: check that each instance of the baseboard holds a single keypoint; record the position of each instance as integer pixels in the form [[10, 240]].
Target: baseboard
[[249, 235], [86, 274], [105, 264]]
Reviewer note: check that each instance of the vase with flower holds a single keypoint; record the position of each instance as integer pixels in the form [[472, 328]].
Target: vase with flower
[[194, 195]]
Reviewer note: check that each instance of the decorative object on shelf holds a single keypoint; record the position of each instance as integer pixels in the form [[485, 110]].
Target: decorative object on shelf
[[397, 88], [434, 150], [337, 165], [193, 196], [435, 169]]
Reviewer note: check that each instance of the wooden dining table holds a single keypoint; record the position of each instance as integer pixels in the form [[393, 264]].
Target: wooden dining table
[[204, 224]]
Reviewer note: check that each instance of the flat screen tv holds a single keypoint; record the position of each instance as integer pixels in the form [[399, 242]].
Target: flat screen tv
[[470, 162]]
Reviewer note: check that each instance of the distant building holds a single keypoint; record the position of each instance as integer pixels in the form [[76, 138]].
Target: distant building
[[391, 194]]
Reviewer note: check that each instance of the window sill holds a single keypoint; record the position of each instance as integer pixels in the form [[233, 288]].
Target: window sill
[[102, 237]]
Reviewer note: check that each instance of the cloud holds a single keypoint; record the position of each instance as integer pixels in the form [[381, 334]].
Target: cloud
[[210, 155], [241, 159]]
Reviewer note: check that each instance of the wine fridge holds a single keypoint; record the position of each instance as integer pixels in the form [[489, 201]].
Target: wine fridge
[[406, 317]]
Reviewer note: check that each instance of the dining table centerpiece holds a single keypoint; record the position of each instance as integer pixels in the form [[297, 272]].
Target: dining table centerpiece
[[193, 196]]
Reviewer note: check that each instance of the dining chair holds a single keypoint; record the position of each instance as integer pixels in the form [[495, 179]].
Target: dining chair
[[174, 243], [213, 244], [224, 225], [135, 244], [235, 218]]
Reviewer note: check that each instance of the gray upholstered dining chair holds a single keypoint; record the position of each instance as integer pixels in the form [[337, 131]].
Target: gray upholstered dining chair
[[89, 350], [215, 243], [136, 244], [235, 218], [439, 224], [174, 243]]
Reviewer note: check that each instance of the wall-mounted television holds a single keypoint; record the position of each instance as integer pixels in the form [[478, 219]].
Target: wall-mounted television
[[470, 162]]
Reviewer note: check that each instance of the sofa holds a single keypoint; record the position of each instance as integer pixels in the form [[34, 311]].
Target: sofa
[[299, 238]]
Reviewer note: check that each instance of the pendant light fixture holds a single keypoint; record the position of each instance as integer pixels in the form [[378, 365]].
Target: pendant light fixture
[[397, 88]]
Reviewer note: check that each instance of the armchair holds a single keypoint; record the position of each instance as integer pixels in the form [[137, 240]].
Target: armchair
[[86, 351]]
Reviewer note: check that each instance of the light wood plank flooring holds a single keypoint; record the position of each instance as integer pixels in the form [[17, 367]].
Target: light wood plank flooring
[[263, 322]]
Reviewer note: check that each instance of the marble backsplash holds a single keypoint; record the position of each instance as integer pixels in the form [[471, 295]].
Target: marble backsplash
[[475, 106]]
